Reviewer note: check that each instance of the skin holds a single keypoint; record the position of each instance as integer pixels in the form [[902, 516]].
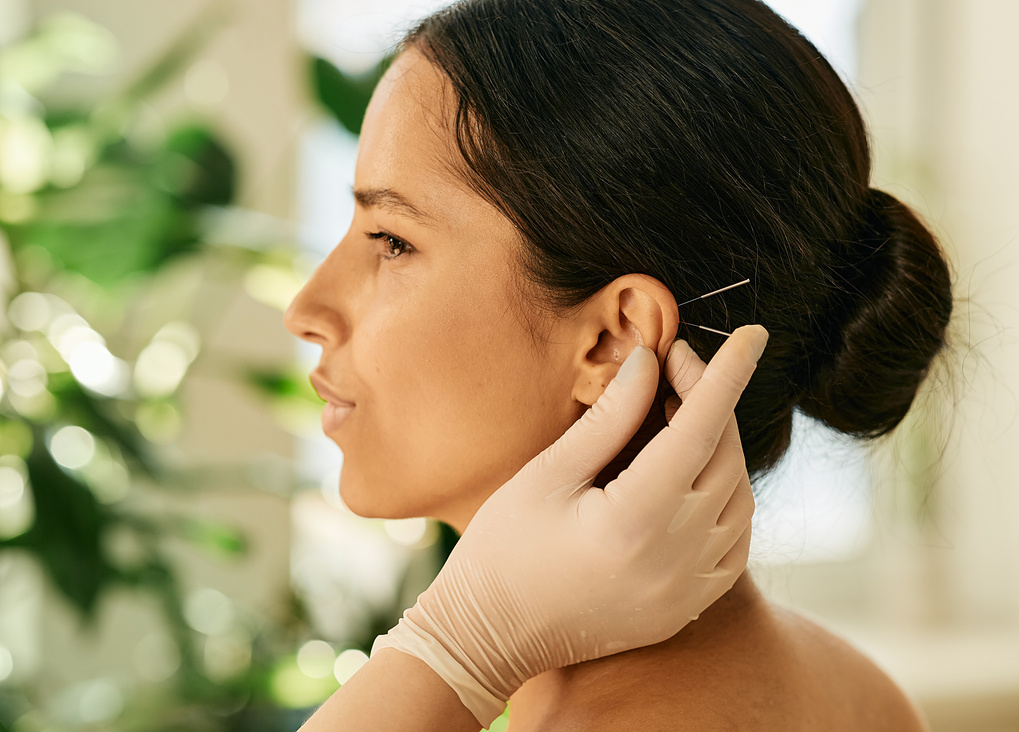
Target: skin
[[454, 394], [434, 346]]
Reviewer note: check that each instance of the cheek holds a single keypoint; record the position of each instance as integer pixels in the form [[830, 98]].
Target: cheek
[[459, 401]]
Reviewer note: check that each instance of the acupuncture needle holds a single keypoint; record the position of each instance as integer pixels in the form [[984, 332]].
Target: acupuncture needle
[[709, 294]]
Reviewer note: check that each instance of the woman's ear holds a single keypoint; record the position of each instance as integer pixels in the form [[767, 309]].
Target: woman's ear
[[633, 310]]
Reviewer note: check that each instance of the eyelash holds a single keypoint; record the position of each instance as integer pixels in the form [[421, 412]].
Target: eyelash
[[390, 242]]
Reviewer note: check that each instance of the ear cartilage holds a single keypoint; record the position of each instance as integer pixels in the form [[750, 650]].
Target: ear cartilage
[[714, 292]]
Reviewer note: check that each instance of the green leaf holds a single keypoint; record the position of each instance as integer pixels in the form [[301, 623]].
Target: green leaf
[[199, 171], [346, 97], [287, 383], [15, 438], [66, 533], [96, 415], [136, 241], [132, 213], [215, 537]]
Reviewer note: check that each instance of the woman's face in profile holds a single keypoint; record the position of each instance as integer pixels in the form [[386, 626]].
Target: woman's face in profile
[[418, 312]]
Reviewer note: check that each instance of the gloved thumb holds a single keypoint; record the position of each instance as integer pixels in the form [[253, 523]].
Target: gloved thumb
[[603, 431]]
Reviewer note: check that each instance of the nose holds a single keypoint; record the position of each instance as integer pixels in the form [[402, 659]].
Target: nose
[[316, 312]]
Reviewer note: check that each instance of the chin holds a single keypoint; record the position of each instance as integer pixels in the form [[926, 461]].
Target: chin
[[365, 500]]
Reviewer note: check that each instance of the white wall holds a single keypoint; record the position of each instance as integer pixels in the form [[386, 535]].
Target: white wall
[[940, 84], [937, 600]]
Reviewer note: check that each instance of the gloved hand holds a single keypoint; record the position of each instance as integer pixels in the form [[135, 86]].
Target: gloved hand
[[551, 572]]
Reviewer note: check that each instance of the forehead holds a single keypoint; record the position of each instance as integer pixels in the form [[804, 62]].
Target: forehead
[[407, 140]]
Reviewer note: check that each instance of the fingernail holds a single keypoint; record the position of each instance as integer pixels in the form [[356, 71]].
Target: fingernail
[[630, 369], [760, 340], [676, 346]]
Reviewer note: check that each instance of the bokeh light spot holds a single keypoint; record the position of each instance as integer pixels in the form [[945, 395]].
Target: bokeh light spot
[[156, 657], [98, 369], [291, 688], [348, 663], [25, 146], [208, 611], [159, 422], [315, 659], [159, 369], [30, 311], [72, 446], [6, 663], [183, 335], [12, 486], [70, 330], [100, 701], [407, 531], [40, 407], [73, 152], [226, 656], [273, 286], [27, 377]]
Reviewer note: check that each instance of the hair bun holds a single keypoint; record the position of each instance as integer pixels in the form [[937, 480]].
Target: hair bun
[[896, 306]]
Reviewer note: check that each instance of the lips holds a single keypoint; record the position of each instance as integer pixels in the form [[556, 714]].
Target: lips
[[333, 415], [336, 410], [327, 393]]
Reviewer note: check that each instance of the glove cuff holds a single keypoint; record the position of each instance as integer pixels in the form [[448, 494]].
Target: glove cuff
[[412, 639]]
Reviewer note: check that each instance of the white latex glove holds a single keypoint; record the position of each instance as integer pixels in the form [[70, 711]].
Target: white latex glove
[[551, 572]]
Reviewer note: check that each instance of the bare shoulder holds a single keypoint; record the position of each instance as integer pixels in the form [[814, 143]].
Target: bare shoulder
[[836, 671], [746, 664]]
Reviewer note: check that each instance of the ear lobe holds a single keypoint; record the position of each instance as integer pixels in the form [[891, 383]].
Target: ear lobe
[[634, 310]]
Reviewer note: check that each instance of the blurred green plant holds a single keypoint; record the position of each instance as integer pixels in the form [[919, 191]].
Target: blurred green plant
[[82, 197], [98, 205], [101, 204], [345, 97]]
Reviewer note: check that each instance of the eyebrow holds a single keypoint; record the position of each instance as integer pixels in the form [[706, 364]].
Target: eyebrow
[[390, 200]]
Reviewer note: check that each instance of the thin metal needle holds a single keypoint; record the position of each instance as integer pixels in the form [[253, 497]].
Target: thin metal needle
[[715, 292], [704, 327]]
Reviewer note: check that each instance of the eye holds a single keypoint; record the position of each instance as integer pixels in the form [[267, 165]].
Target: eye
[[395, 247]]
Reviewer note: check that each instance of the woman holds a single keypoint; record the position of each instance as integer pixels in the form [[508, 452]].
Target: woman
[[553, 571], [538, 184]]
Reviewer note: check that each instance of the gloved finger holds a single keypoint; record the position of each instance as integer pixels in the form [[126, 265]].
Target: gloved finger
[[739, 511], [724, 470], [683, 368], [714, 487], [723, 536], [677, 454], [672, 404], [734, 562], [720, 541], [577, 457]]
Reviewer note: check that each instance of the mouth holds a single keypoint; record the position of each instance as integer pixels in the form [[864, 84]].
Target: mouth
[[337, 408], [326, 392], [334, 415]]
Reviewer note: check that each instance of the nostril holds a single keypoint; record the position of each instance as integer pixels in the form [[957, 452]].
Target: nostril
[[314, 324], [297, 318], [291, 312], [316, 312]]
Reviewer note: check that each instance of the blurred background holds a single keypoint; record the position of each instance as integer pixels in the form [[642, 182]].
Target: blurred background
[[173, 551]]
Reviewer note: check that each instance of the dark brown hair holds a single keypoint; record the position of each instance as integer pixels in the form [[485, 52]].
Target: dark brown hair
[[700, 142]]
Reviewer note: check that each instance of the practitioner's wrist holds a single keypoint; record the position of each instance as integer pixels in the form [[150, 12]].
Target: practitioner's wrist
[[418, 635]]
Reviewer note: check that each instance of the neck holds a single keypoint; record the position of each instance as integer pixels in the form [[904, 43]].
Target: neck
[[626, 675]]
